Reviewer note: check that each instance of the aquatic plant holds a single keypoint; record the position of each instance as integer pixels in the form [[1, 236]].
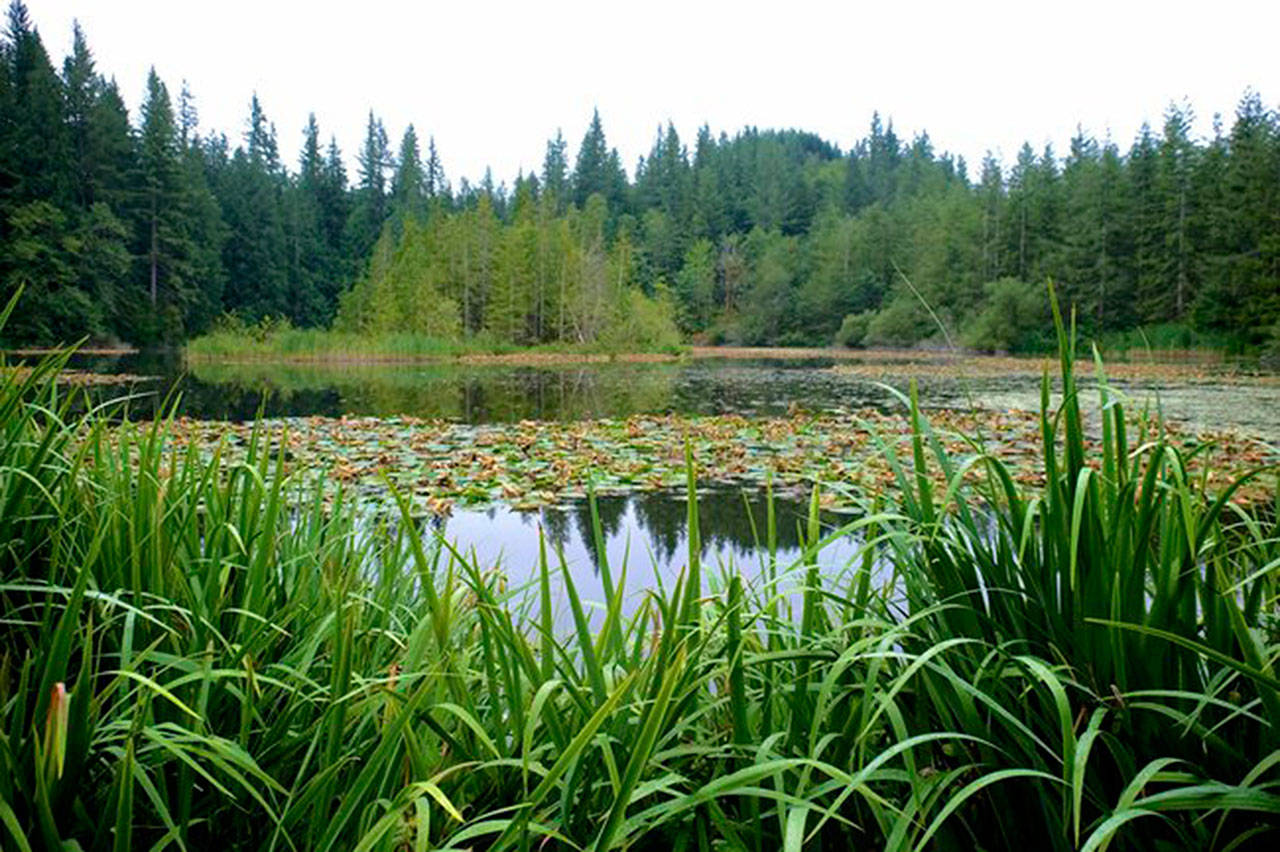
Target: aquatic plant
[[202, 652]]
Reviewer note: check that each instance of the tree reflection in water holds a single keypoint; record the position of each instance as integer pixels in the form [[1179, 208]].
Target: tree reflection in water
[[647, 530]]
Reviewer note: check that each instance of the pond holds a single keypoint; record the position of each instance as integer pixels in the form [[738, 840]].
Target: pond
[[648, 534], [1203, 394], [643, 518]]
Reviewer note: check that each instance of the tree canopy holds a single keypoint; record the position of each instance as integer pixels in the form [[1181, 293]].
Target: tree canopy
[[146, 228]]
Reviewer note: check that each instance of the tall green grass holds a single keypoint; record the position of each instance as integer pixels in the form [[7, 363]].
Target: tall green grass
[[198, 654], [277, 340], [287, 342], [1174, 339]]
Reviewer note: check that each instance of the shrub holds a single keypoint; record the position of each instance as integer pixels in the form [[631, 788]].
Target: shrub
[[644, 323], [1014, 316], [1271, 352], [853, 330], [901, 322]]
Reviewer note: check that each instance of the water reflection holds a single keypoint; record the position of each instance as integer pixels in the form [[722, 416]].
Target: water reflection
[[490, 393], [647, 532], [650, 526], [504, 393]]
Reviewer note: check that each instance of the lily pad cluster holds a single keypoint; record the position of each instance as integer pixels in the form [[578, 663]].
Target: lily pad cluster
[[438, 463], [76, 378]]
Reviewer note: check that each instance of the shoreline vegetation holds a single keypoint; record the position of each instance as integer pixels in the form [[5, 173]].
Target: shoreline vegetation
[[272, 342], [202, 651], [311, 345]]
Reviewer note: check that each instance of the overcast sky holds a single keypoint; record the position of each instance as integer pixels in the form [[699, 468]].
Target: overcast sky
[[493, 81]]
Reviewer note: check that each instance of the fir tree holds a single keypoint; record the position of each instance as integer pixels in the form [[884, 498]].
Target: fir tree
[[555, 172], [409, 195], [369, 208]]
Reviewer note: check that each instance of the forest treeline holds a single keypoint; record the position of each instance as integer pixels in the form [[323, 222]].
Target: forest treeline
[[149, 229]]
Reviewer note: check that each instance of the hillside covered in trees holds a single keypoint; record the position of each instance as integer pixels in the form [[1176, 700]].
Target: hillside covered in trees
[[149, 228]]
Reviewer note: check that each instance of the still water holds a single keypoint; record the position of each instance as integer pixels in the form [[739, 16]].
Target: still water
[[647, 530], [492, 393], [648, 534], [503, 393]]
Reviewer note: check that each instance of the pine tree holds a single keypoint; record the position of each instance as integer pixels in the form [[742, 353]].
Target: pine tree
[[507, 316], [590, 170], [1245, 295], [311, 257], [81, 85], [991, 195], [555, 172], [1080, 267], [100, 152], [33, 136], [1176, 167], [177, 229], [1145, 224], [409, 196], [161, 176], [709, 214], [437, 185], [335, 210], [111, 165], [883, 156], [370, 205], [598, 171], [256, 254]]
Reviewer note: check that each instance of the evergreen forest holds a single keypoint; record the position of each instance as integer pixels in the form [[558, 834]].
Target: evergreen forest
[[150, 229]]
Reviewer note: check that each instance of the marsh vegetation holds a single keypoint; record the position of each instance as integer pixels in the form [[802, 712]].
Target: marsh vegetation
[[203, 648]]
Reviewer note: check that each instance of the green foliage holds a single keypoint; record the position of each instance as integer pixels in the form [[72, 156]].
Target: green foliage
[[765, 236], [1169, 337], [1012, 318], [542, 279], [904, 321], [645, 324], [399, 293], [853, 330], [1271, 353], [203, 654], [695, 286]]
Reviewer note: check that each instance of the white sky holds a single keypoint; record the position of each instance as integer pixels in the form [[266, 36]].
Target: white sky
[[492, 81]]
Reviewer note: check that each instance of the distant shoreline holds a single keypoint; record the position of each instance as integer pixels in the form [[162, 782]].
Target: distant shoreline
[[37, 351], [536, 357], [552, 357]]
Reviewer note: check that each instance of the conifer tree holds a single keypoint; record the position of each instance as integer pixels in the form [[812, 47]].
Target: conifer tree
[[409, 196], [437, 185], [555, 172], [590, 170], [147, 230], [1176, 167], [177, 229], [598, 170], [256, 255], [35, 135], [369, 208], [311, 257]]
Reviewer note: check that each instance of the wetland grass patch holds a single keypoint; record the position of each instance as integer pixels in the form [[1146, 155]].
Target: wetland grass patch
[[200, 651]]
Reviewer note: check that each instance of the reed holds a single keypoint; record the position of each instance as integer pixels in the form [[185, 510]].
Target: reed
[[198, 654]]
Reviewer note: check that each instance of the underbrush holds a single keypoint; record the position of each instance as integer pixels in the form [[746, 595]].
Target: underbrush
[[235, 340], [1172, 338], [198, 654]]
